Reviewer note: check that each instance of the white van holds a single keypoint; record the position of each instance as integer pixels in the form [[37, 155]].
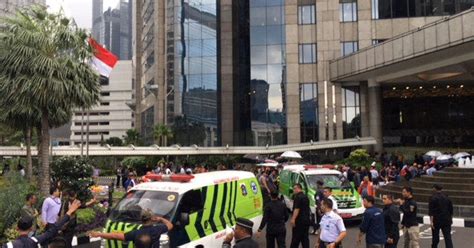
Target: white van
[[203, 207]]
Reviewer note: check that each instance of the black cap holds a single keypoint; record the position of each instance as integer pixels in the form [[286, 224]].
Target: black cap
[[437, 187], [25, 223], [245, 223]]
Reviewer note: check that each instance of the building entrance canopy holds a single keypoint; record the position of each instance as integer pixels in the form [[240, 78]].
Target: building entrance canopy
[[435, 52], [420, 85]]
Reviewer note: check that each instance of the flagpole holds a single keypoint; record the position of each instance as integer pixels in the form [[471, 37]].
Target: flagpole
[[82, 132], [87, 135]]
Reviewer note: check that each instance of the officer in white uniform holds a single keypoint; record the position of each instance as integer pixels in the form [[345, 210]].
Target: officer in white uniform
[[332, 230]]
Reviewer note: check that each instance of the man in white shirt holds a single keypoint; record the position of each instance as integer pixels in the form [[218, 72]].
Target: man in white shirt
[[328, 195], [332, 230], [374, 174]]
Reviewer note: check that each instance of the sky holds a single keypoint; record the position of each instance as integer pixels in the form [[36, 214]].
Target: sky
[[80, 10]]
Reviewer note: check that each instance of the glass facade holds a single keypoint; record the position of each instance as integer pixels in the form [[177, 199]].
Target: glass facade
[[267, 72], [193, 79], [309, 112], [147, 120], [348, 10], [351, 112], [386, 9], [428, 115]]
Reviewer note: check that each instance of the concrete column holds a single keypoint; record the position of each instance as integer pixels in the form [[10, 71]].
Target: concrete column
[[364, 111], [227, 73], [338, 111], [321, 112], [375, 116], [330, 112]]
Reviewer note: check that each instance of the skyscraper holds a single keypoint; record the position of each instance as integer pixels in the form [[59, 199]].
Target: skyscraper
[[283, 72], [112, 27], [9, 6]]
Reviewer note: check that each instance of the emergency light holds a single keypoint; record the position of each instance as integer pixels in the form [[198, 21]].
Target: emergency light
[[324, 166], [170, 178]]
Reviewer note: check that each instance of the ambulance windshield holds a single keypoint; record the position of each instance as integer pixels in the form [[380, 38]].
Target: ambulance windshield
[[332, 181], [130, 207]]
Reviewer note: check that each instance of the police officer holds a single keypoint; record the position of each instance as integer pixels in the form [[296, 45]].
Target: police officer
[[275, 216], [25, 225], [242, 235], [300, 220], [328, 194], [148, 229], [372, 225], [318, 198], [408, 206], [391, 215], [441, 216], [332, 230]]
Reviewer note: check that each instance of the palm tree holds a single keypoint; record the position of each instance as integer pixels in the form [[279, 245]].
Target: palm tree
[[162, 133], [44, 63], [20, 118], [132, 137]]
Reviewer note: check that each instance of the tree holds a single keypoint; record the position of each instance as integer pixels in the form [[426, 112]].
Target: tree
[[132, 137], [74, 173], [188, 133], [114, 141], [162, 133], [44, 63]]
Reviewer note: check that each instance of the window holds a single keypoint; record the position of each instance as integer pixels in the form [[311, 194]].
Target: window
[[307, 54], [307, 14], [105, 93], [351, 112], [104, 103], [386, 9], [349, 47], [378, 41], [309, 112], [348, 10]]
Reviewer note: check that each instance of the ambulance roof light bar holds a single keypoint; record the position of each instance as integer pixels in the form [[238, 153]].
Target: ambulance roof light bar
[[324, 166], [183, 178]]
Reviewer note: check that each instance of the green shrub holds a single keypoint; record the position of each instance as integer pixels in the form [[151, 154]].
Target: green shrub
[[12, 197], [137, 163], [74, 174], [85, 216], [358, 158]]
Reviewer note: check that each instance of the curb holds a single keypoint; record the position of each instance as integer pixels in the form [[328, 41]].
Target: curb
[[457, 222], [76, 241]]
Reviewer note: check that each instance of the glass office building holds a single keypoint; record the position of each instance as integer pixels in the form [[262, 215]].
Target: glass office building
[[267, 72]]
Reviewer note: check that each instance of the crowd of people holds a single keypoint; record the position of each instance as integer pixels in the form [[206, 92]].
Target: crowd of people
[[379, 226]]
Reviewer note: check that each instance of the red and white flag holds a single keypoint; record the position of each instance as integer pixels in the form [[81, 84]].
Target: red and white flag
[[103, 61]]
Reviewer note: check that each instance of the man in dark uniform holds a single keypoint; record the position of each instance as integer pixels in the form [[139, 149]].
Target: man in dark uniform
[[441, 216], [318, 198], [148, 231], [25, 225], [275, 215], [391, 216], [411, 231], [300, 220], [242, 234]]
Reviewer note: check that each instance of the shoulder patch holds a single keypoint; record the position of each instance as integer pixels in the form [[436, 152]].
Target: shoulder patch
[[412, 208], [244, 189], [254, 187]]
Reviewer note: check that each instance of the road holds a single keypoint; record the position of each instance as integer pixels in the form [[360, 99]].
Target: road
[[462, 237]]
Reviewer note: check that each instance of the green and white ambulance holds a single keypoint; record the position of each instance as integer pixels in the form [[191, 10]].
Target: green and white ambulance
[[202, 207], [349, 202]]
